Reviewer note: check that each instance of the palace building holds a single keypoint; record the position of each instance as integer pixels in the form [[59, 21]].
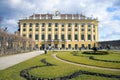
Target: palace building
[[60, 31]]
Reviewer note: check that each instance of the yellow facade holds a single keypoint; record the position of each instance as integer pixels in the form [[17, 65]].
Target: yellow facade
[[58, 33]]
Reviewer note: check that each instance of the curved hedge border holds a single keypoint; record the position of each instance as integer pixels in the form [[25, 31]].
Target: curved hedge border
[[97, 53], [92, 58], [25, 73]]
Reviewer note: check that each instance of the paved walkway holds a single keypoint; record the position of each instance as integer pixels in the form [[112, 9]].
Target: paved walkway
[[88, 66], [11, 60]]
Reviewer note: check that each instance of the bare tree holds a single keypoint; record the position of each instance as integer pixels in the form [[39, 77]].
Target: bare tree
[[12, 44]]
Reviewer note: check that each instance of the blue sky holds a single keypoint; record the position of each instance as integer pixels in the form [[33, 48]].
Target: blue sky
[[107, 12]]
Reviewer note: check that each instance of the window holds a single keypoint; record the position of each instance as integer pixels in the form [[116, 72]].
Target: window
[[24, 24], [69, 29], [56, 24], [49, 29], [24, 35], [89, 25], [62, 36], [82, 37], [63, 46], [30, 24], [76, 37], [56, 29], [36, 45], [43, 29], [93, 26], [69, 46], [56, 37], [76, 29], [43, 36], [94, 45], [83, 24], [36, 36], [24, 29], [89, 37], [82, 29], [30, 29], [63, 24], [56, 45], [43, 46], [82, 46], [76, 46], [30, 35], [89, 46], [69, 24], [62, 29], [76, 24], [49, 24], [37, 24], [37, 29], [43, 24], [49, 45], [93, 30], [89, 30], [49, 36], [69, 36]]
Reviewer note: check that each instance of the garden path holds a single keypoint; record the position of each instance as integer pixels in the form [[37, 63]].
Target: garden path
[[11, 60], [83, 65]]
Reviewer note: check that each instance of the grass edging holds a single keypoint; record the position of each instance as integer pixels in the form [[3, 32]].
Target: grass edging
[[86, 64]]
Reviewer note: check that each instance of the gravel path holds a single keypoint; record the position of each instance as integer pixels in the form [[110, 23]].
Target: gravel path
[[11, 60], [88, 66]]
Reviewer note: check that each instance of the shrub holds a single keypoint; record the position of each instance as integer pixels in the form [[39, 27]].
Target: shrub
[[96, 53]]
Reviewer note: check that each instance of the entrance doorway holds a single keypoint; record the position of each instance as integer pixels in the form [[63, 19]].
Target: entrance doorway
[[63, 46], [56, 46]]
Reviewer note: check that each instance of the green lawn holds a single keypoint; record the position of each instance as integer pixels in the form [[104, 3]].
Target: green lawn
[[87, 77], [84, 59], [60, 69]]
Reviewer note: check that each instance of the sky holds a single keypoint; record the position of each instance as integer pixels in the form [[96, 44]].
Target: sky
[[107, 12]]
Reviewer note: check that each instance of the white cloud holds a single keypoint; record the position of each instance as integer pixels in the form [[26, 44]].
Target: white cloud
[[20, 4], [11, 22], [15, 2]]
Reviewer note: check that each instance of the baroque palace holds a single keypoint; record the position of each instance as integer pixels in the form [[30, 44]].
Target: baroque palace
[[60, 31]]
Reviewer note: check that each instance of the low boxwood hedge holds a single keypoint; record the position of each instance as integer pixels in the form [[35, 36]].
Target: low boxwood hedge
[[96, 53]]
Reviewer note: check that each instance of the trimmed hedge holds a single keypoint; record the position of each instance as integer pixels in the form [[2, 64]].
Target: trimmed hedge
[[97, 53], [25, 73], [92, 58]]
